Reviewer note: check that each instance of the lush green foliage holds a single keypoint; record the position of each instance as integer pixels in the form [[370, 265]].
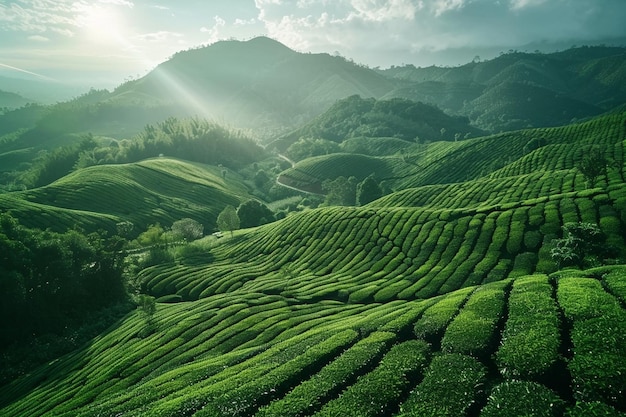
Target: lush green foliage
[[50, 280], [228, 220], [440, 298], [521, 399], [356, 117], [580, 242], [253, 213], [531, 339], [451, 385]]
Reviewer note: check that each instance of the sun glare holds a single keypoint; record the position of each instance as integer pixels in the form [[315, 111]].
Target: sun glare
[[101, 24]]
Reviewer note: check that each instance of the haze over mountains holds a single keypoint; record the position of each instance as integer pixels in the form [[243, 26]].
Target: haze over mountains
[[262, 84], [252, 231]]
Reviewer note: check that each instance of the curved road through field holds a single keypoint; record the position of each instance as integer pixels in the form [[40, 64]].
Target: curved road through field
[[284, 184]]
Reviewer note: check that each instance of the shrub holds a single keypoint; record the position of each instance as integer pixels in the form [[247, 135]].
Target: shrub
[[599, 339], [472, 331], [580, 242], [522, 399], [310, 394], [384, 386], [592, 409], [530, 341], [437, 317], [451, 385]]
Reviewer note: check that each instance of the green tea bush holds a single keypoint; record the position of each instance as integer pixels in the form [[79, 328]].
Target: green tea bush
[[436, 318], [522, 399], [238, 397], [452, 384], [592, 409], [378, 392], [532, 239], [599, 339], [524, 264], [472, 332], [616, 283], [312, 393], [530, 341]]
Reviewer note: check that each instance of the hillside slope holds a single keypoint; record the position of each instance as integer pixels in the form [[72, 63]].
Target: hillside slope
[[158, 190], [438, 300], [520, 90], [548, 155], [259, 83]]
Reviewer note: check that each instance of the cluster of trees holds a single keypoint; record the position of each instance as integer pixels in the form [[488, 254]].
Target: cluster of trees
[[355, 117], [308, 147], [50, 281], [194, 140], [250, 213], [344, 191]]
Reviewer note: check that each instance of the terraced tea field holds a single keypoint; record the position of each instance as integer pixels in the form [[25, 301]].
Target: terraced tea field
[[508, 155], [538, 343], [159, 190], [436, 300]]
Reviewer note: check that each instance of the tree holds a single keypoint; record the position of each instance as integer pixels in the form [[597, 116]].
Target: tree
[[341, 191], [254, 213], [593, 165], [367, 191], [188, 229], [228, 220], [581, 243], [152, 236]]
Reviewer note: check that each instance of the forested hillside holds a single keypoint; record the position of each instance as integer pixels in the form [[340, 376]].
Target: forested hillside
[[460, 294], [519, 90], [379, 256]]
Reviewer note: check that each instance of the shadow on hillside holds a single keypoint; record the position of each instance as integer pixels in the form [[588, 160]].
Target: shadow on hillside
[[43, 361]]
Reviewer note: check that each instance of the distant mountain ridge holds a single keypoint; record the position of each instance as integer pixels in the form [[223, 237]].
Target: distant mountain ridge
[[10, 100], [519, 90], [263, 86], [259, 83]]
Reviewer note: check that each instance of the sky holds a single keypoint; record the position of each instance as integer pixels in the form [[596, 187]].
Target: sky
[[103, 43]]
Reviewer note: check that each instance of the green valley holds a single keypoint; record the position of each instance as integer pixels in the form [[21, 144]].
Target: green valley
[[485, 277]]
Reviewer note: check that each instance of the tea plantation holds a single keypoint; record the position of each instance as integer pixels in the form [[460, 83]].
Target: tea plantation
[[440, 299]]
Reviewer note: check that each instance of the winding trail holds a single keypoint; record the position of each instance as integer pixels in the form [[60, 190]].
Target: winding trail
[[284, 182]]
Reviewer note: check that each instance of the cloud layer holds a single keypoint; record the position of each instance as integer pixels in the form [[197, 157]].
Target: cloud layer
[[131, 36]]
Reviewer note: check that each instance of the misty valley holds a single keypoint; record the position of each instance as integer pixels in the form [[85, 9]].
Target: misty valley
[[248, 230]]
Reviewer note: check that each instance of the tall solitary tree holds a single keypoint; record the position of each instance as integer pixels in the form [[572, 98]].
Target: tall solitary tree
[[593, 165], [341, 191], [188, 229], [228, 220], [367, 191], [254, 213]]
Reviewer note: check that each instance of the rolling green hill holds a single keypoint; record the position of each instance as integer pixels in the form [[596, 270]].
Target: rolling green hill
[[10, 100], [547, 156], [356, 117], [438, 300], [465, 291], [158, 190]]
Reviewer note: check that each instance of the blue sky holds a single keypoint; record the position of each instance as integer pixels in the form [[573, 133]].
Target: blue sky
[[104, 42]]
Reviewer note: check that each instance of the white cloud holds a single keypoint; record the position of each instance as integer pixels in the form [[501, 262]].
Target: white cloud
[[243, 22], [520, 4], [38, 38], [442, 6], [159, 36], [214, 31], [383, 10], [125, 3]]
